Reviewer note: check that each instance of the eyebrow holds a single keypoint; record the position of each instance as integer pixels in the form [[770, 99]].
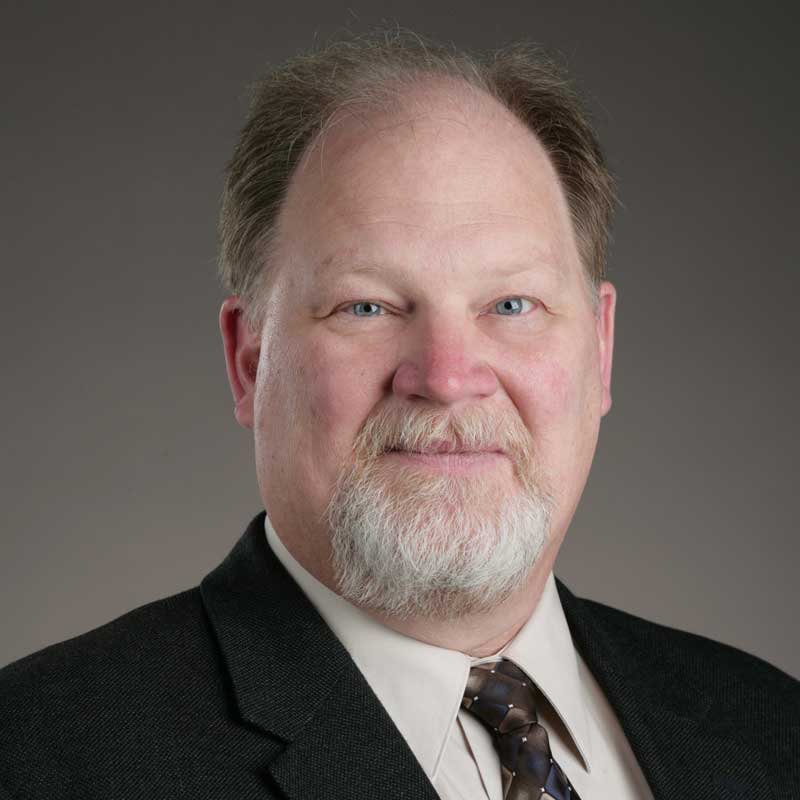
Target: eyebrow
[[345, 263], [348, 262], [341, 265]]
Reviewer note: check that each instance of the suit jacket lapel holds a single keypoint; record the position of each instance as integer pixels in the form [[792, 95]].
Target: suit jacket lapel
[[351, 749], [331, 737], [682, 749], [293, 679]]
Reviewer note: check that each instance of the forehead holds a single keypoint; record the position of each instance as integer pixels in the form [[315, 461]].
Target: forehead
[[447, 168]]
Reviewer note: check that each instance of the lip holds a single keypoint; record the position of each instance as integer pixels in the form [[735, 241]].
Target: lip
[[448, 448], [459, 461]]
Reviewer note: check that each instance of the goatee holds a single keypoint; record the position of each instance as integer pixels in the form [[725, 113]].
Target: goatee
[[408, 541]]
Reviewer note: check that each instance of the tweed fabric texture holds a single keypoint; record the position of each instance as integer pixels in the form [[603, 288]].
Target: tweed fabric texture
[[503, 698]]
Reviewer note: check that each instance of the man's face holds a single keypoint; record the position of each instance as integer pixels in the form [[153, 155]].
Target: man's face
[[428, 276]]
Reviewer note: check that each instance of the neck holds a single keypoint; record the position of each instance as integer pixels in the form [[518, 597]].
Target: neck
[[480, 635], [477, 635]]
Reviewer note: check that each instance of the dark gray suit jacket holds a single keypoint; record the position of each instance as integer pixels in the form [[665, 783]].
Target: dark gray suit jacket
[[238, 689]]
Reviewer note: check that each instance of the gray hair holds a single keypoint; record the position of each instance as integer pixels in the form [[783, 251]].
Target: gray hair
[[292, 105]]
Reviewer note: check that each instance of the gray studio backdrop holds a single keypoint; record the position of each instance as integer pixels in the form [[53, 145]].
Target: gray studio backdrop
[[124, 475]]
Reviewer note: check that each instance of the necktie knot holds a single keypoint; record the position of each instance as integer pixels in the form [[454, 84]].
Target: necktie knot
[[503, 698], [500, 695]]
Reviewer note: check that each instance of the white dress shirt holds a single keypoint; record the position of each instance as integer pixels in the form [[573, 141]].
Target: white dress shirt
[[421, 687]]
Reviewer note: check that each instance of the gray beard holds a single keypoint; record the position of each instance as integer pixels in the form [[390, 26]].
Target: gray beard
[[406, 542]]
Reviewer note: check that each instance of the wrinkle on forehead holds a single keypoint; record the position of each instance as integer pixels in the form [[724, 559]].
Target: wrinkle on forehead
[[351, 167], [448, 214], [338, 264]]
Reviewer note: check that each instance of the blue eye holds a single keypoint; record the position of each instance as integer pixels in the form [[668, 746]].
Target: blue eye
[[511, 306], [371, 309]]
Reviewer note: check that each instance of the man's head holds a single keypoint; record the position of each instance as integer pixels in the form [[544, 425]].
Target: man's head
[[430, 279]]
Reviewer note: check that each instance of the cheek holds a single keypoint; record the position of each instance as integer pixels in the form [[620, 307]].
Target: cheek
[[546, 394], [559, 403], [338, 392], [567, 381], [557, 390]]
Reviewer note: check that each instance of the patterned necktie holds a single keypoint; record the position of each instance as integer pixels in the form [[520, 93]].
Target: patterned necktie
[[503, 698]]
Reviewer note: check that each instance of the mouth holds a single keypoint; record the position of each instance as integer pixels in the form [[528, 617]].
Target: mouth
[[449, 448], [448, 458]]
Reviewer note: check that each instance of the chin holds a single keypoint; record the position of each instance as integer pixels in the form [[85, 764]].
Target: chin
[[408, 543]]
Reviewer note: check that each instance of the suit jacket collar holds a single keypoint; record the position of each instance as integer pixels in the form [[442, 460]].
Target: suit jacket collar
[[683, 743], [292, 679]]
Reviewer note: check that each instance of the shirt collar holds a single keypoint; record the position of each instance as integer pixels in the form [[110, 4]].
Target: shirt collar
[[544, 650], [421, 685]]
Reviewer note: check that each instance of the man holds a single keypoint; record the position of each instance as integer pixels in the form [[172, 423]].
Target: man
[[420, 336]]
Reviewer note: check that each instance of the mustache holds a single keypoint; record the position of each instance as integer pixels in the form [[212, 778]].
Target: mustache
[[430, 430]]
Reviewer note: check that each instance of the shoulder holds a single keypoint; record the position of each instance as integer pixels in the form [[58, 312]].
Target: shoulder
[[699, 659], [654, 672], [122, 651], [127, 685]]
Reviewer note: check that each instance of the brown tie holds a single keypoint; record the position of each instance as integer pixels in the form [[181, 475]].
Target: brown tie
[[503, 698]]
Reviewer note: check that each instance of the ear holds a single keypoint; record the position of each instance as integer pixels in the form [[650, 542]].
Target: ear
[[242, 350], [605, 337]]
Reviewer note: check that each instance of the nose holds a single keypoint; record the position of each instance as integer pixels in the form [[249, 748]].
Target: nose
[[443, 365]]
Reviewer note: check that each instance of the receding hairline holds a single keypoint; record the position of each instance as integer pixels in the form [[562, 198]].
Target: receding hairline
[[300, 97], [428, 93], [468, 103]]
